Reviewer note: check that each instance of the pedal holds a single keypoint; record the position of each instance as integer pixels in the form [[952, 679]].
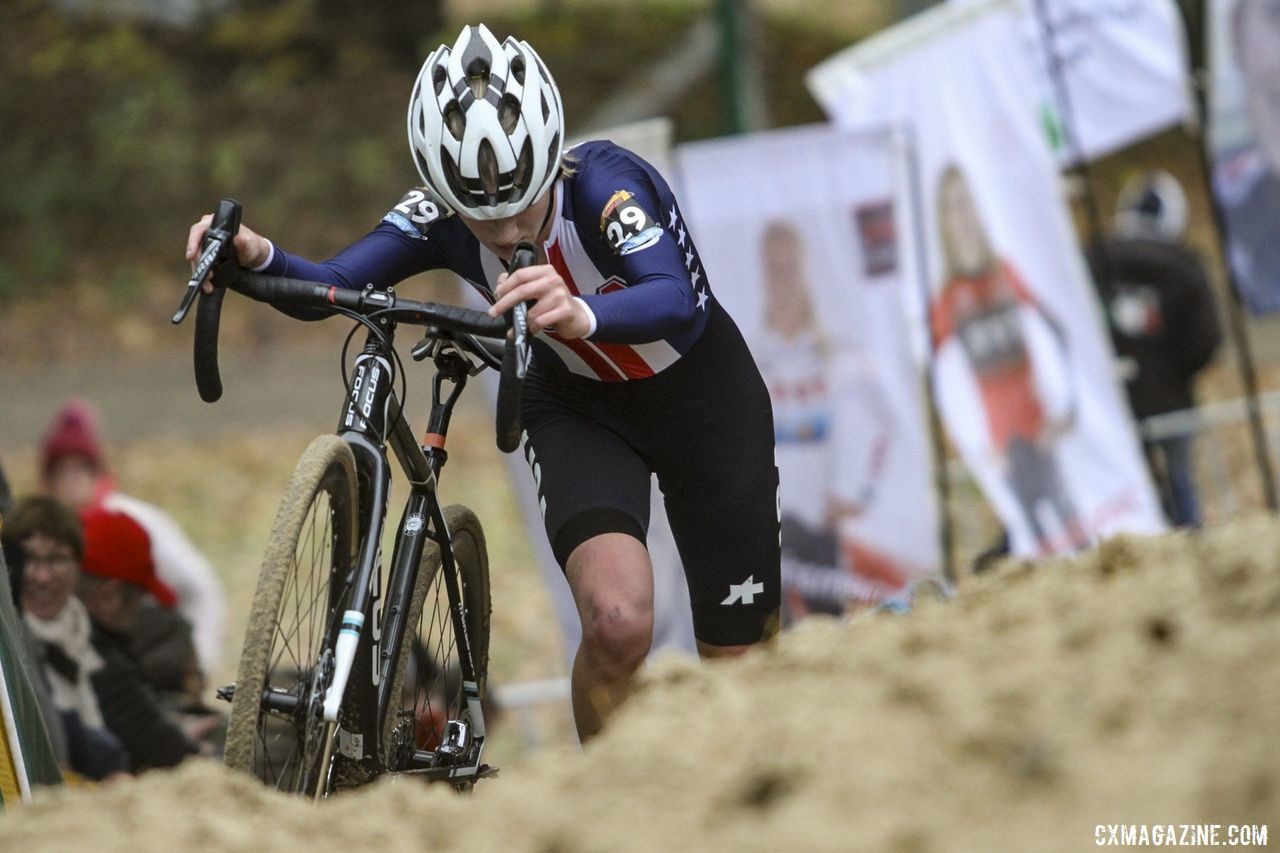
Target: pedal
[[227, 693], [455, 738], [486, 771]]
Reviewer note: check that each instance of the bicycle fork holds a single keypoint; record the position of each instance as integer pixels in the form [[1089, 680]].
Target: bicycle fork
[[363, 422]]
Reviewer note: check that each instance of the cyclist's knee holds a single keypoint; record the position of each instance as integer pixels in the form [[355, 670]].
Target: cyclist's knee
[[617, 636], [612, 583]]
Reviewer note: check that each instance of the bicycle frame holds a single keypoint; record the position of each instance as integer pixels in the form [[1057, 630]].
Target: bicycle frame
[[371, 420], [355, 607]]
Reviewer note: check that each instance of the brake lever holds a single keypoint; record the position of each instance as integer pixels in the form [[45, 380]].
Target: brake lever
[[216, 248], [520, 338], [425, 347], [525, 255]]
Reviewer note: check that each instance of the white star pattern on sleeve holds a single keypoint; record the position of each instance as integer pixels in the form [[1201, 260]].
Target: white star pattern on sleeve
[[695, 275]]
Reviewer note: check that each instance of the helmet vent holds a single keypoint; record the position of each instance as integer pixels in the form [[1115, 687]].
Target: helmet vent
[[457, 183], [438, 79], [554, 149], [517, 69], [487, 162], [523, 164], [509, 113], [454, 120]]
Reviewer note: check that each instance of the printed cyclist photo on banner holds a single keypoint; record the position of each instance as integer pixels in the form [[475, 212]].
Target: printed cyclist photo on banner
[[819, 286]]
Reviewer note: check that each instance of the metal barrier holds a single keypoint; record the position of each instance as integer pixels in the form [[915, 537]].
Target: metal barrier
[[1223, 458], [522, 699]]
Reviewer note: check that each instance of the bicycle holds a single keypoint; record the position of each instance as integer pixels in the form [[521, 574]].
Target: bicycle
[[334, 686]]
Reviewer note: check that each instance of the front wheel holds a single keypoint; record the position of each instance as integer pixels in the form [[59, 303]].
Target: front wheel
[[276, 731], [426, 686]]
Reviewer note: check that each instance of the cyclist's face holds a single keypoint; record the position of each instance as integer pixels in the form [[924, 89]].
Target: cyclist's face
[[49, 572], [501, 236]]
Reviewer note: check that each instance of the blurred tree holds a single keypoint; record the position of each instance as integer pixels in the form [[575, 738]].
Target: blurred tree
[[315, 34], [119, 131], [400, 27]]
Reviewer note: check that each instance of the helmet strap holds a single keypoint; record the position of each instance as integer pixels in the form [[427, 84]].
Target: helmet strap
[[551, 205]]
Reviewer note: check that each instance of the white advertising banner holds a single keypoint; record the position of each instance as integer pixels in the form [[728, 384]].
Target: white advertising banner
[[1022, 365], [1122, 66], [1244, 137], [798, 230]]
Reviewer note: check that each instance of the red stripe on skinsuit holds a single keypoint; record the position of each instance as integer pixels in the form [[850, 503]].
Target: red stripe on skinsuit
[[594, 360], [617, 357]]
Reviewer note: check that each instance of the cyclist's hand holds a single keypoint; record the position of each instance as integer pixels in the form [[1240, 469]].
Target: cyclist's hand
[[553, 302], [252, 249]]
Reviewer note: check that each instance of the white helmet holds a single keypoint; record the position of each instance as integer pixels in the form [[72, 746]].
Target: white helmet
[[486, 125]]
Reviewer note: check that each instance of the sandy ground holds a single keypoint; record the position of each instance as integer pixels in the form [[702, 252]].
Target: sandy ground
[[1138, 683]]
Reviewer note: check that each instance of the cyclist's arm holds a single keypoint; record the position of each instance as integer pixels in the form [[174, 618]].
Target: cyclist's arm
[[659, 300], [401, 245], [383, 257]]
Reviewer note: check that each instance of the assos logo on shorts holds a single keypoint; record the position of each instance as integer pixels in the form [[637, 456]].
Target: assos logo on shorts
[[625, 225]]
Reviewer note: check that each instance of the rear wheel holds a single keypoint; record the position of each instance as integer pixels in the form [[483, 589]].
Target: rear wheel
[[276, 731], [426, 689]]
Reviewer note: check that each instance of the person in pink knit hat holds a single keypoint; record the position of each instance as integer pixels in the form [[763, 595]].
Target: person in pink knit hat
[[75, 471]]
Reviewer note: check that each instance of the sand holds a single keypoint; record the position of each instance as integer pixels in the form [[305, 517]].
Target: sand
[[1137, 684]]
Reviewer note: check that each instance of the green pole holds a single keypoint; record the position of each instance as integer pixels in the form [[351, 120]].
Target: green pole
[[732, 65]]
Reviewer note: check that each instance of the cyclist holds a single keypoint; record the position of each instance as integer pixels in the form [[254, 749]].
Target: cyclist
[[636, 367]]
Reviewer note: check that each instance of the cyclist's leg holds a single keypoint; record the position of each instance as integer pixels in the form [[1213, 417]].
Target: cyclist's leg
[[612, 583], [717, 473], [725, 523], [594, 492]]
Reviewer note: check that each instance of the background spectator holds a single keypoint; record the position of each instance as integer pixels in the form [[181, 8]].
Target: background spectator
[[119, 588], [118, 575], [1163, 322], [75, 472], [31, 711], [45, 540]]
